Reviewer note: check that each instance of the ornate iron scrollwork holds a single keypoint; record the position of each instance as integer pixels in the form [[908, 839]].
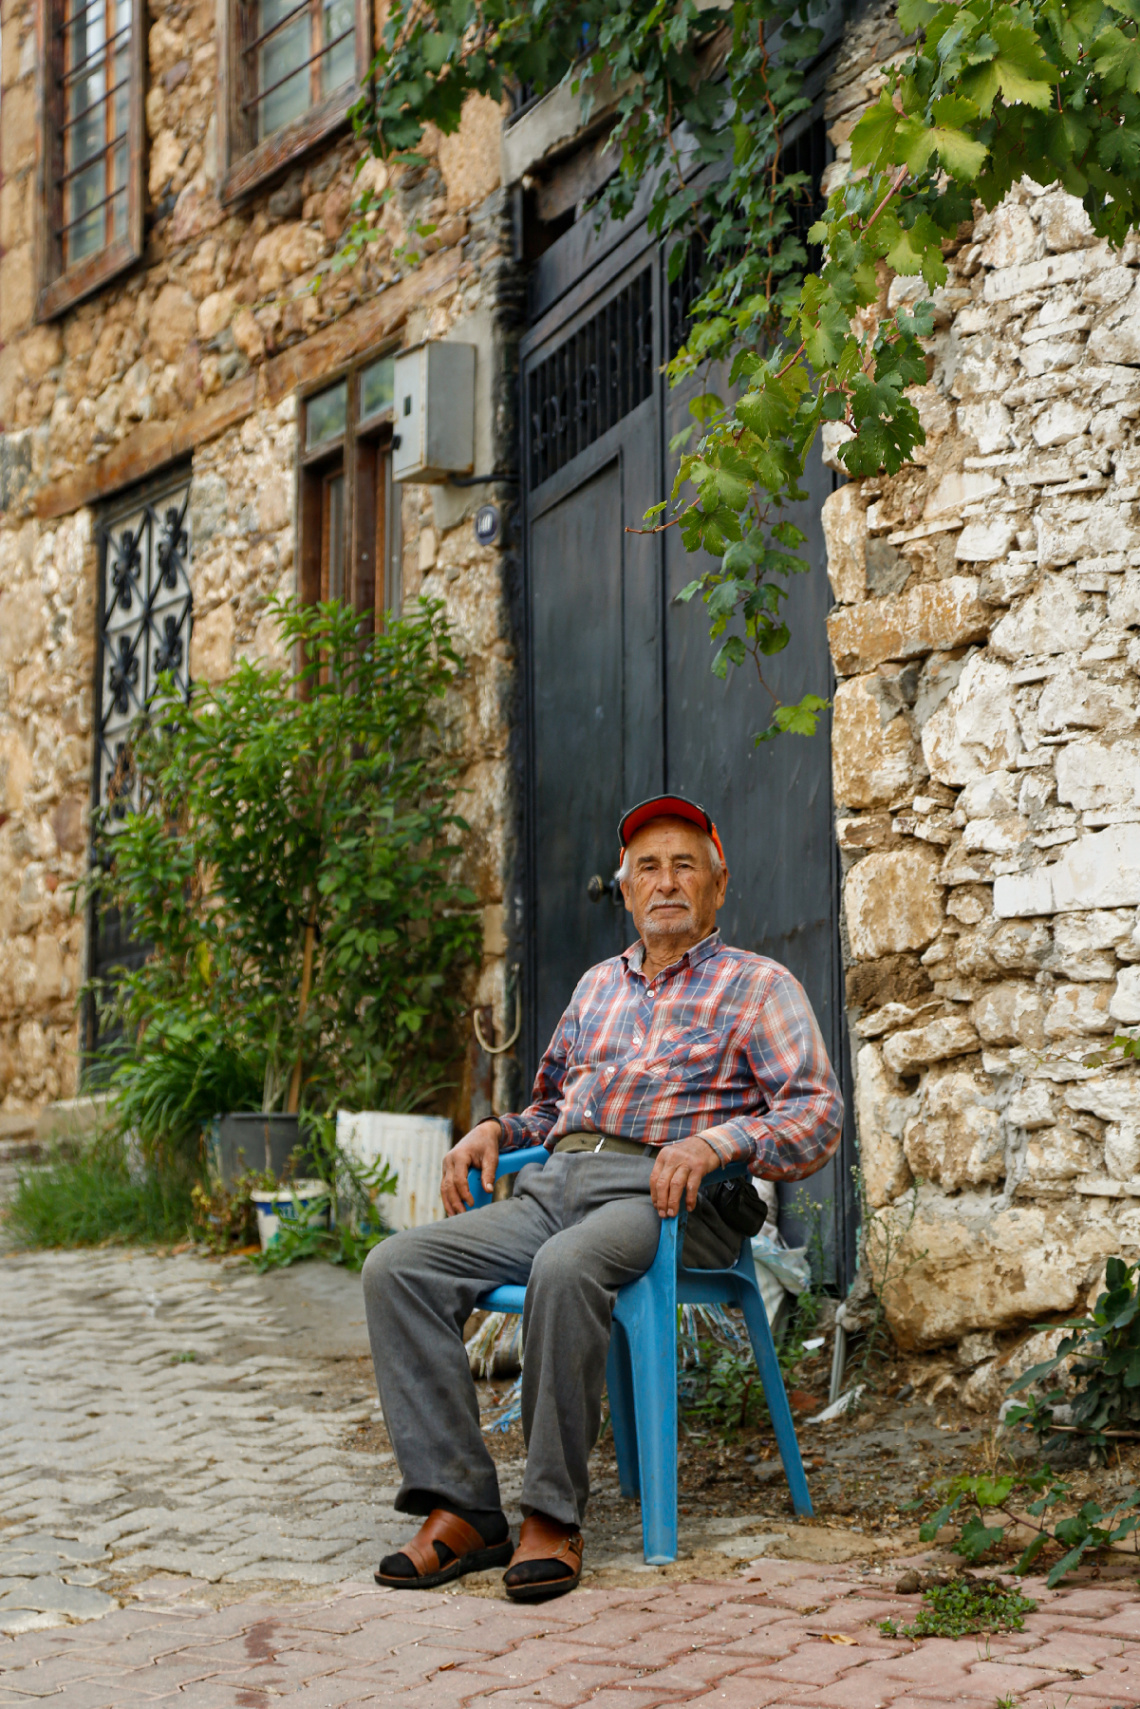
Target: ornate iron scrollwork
[[144, 629], [125, 570], [123, 674]]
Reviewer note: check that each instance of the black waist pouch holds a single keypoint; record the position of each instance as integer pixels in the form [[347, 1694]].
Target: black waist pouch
[[739, 1204]]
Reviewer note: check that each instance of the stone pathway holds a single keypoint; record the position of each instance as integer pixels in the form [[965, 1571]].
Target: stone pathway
[[782, 1634], [155, 1417], [173, 1415], [194, 1488]]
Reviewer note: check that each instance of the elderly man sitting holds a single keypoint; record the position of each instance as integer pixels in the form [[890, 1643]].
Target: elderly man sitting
[[675, 1057]]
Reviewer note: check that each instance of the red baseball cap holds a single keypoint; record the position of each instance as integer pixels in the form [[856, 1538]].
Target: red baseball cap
[[667, 806]]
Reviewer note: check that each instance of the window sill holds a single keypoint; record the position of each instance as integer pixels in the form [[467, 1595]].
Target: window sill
[[252, 170], [86, 278]]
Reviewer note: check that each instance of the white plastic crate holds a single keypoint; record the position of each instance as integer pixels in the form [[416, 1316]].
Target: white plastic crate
[[413, 1146]]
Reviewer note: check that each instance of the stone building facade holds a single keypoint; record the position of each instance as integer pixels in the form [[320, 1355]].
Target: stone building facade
[[985, 632], [986, 640], [196, 360]]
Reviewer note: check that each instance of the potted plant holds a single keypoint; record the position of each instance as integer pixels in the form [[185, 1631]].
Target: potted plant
[[291, 868]]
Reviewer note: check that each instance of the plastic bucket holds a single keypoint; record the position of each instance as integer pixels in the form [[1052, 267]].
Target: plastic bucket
[[297, 1204]]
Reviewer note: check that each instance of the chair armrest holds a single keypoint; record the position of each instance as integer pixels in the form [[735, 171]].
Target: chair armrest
[[726, 1172], [510, 1162]]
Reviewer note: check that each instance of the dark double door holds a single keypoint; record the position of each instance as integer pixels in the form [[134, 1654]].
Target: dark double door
[[622, 702]]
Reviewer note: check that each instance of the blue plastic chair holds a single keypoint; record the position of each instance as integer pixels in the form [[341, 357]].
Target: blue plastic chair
[[641, 1371]]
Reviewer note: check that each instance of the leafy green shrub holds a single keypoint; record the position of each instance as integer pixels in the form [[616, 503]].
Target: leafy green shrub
[[1106, 1367], [981, 1498], [85, 1198], [731, 1390], [288, 855], [955, 1610]]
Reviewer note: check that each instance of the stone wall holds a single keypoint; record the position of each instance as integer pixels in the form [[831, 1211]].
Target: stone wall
[[198, 353], [986, 640]]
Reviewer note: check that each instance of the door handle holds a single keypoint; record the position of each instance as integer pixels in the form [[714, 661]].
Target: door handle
[[599, 887]]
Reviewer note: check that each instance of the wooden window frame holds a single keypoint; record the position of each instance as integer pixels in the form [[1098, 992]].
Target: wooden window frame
[[58, 289], [371, 537], [246, 164]]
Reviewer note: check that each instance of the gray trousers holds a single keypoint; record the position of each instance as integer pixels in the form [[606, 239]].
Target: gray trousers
[[573, 1233]]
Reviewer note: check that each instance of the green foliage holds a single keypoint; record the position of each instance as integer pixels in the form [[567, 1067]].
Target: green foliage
[[357, 1223], [291, 867], [725, 1391], [224, 1216], [183, 1067], [962, 1607], [1026, 1498], [1105, 1347], [732, 1395], [86, 1197], [992, 90]]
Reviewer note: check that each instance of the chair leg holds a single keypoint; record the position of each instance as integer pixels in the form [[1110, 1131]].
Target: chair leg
[[764, 1350], [649, 1314], [623, 1417]]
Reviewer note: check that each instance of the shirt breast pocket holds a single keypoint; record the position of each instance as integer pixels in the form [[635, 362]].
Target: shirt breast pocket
[[687, 1054]]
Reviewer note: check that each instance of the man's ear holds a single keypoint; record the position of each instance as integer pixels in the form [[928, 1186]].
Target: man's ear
[[722, 887], [625, 895]]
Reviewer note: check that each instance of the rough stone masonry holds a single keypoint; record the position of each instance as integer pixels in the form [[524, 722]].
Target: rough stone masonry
[[200, 351], [986, 638]]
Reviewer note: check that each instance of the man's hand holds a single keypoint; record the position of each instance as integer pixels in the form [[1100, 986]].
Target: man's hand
[[478, 1149], [678, 1172]]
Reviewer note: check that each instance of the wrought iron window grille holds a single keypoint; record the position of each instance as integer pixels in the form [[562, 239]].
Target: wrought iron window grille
[[145, 620], [601, 372]]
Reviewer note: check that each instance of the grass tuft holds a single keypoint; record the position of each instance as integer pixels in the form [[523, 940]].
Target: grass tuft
[[91, 1196]]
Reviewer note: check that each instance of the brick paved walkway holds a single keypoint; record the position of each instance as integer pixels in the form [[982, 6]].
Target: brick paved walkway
[[765, 1639]]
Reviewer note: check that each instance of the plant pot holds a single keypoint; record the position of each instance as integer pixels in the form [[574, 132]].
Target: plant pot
[[255, 1139], [413, 1146], [291, 1204]]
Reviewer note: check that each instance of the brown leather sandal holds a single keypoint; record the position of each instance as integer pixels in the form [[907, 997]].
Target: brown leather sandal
[[545, 1540], [471, 1554]]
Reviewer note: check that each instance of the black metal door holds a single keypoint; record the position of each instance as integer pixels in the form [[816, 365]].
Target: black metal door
[[594, 611], [621, 696]]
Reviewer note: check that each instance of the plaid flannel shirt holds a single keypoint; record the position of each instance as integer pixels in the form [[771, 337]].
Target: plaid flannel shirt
[[722, 1044]]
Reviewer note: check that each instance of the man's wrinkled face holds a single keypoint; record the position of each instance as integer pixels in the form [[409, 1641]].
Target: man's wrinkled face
[[672, 890]]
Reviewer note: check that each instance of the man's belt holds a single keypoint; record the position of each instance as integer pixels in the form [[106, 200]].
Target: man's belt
[[604, 1142]]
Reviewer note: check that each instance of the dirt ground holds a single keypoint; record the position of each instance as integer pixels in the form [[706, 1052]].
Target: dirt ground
[[864, 1469]]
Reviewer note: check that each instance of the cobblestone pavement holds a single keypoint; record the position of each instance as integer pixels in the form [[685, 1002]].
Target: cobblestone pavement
[[194, 1489], [172, 1415], [157, 1415], [782, 1634]]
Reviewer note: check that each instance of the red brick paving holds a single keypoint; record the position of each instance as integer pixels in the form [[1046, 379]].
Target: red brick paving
[[758, 1641]]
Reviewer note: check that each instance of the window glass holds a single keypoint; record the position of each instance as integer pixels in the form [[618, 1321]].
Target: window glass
[[305, 51], [96, 79], [377, 387], [325, 416], [338, 64], [284, 32], [334, 537]]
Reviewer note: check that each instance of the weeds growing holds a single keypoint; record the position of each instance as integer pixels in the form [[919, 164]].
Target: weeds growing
[[89, 1196], [962, 1607]]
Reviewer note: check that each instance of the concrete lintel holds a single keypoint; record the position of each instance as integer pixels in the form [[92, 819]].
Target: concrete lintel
[[555, 125]]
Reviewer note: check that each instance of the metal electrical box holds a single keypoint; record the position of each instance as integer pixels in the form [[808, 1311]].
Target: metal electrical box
[[433, 434]]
